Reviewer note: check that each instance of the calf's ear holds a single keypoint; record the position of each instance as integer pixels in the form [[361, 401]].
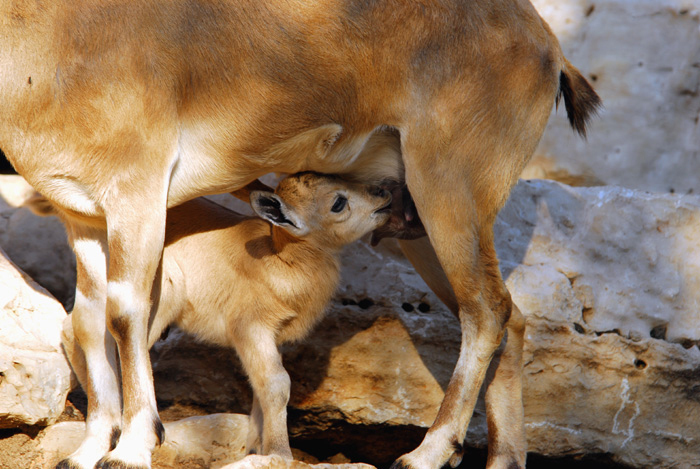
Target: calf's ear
[[270, 207]]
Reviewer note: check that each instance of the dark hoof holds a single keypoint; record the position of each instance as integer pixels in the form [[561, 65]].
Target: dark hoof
[[104, 463], [67, 464], [398, 464], [114, 438], [159, 429], [457, 455]]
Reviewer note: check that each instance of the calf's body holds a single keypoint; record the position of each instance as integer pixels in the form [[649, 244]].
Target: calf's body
[[250, 284]]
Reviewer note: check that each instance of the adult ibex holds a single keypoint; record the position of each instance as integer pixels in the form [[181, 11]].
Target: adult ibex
[[116, 110]]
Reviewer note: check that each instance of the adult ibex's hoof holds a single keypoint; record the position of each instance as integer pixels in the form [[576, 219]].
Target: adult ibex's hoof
[[125, 458], [67, 464], [433, 454], [107, 463], [399, 464], [456, 458]]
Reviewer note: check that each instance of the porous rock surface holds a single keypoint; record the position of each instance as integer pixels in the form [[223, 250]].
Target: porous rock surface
[[604, 277], [608, 280], [643, 58], [276, 462], [37, 245], [34, 374], [210, 441]]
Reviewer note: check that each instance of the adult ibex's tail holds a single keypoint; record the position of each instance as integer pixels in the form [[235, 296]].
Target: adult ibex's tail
[[580, 98]]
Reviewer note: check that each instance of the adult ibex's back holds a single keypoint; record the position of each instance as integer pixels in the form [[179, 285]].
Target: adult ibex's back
[[115, 110]]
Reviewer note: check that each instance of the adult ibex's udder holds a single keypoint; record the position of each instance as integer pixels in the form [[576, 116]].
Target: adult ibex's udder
[[405, 223]]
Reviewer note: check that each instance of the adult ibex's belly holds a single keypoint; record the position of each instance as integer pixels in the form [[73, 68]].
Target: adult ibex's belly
[[371, 157]]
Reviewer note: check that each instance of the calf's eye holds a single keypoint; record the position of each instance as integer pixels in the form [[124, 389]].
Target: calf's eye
[[339, 204]]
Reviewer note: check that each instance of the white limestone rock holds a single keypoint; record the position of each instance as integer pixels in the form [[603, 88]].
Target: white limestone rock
[[34, 373], [610, 259], [637, 402], [276, 462], [595, 271], [213, 440], [643, 58], [210, 441], [38, 245], [608, 279]]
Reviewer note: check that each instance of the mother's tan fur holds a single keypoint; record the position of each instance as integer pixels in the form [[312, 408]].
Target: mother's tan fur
[[116, 110]]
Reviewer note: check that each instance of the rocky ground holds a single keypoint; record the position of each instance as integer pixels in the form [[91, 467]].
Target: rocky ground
[[608, 277]]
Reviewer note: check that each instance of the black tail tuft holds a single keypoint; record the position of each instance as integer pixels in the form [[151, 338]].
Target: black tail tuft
[[580, 98]]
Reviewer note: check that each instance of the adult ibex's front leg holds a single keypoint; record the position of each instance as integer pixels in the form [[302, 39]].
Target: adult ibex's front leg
[[85, 330], [136, 234], [91, 350]]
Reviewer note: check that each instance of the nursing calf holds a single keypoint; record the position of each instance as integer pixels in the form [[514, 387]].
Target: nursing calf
[[254, 283]]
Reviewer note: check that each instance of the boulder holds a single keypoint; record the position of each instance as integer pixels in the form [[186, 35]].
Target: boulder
[[608, 280], [213, 441], [38, 245], [34, 374], [643, 58], [210, 441], [276, 462], [609, 259], [207, 441]]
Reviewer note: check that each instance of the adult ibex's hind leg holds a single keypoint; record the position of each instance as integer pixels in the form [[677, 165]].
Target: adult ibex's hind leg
[[504, 405], [87, 331], [503, 381], [458, 184]]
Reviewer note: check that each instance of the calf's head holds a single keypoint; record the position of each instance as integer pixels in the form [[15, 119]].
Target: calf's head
[[324, 209]]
